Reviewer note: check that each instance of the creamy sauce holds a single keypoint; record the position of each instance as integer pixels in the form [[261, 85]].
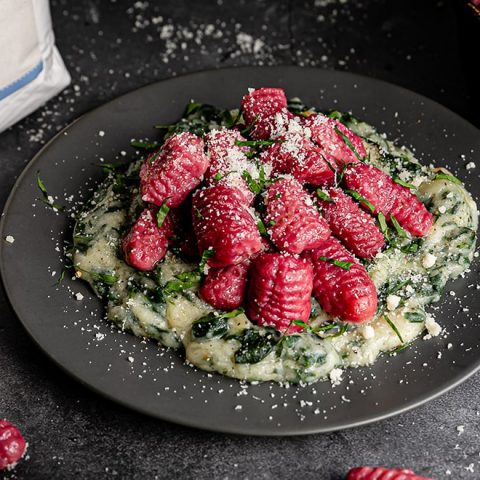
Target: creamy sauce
[[407, 281]]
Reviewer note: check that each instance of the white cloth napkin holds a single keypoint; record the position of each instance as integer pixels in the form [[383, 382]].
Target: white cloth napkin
[[31, 69]]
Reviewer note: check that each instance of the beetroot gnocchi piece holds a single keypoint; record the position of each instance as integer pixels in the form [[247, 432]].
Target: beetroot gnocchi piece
[[12, 445], [389, 198], [224, 288], [410, 212], [373, 185], [348, 222], [228, 161], [263, 102], [146, 243], [380, 473], [297, 155], [223, 222], [292, 220], [279, 290], [260, 108], [337, 141], [341, 284], [171, 173]]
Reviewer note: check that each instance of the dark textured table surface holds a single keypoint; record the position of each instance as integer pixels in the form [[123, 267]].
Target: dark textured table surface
[[112, 47]]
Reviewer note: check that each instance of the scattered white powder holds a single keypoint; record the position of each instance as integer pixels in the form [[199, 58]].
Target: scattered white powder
[[79, 296], [131, 359], [392, 302], [99, 336], [9, 239], [470, 165], [101, 133], [248, 44], [428, 260]]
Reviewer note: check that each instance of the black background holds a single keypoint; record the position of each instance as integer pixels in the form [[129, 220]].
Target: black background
[[112, 47]]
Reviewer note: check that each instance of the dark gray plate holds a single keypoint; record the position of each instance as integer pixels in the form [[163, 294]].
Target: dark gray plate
[[157, 382]]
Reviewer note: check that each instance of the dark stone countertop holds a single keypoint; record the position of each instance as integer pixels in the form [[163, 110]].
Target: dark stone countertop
[[112, 47]]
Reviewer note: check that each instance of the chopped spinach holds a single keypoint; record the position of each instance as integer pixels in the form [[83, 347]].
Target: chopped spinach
[[255, 345], [210, 326]]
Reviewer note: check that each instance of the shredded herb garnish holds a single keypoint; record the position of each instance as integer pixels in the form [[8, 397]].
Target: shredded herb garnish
[[361, 199], [338, 263], [404, 184], [144, 145], [192, 107], [261, 228], [182, 282], [60, 278], [400, 231], [343, 329], [235, 120], [47, 199], [299, 108], [400, 348], [324, 196], [249, 127], [217, 177], [382, 222], [186, 280], [198, 213], [41, 186], [445, 176], [163, 126], [110, 167], [413, 246], [255, 143], [256, 186], [107, 278], [232, 314], [206, 255], [348, 143], [162, 213], [339, 176], [393, 327], [321, 328]]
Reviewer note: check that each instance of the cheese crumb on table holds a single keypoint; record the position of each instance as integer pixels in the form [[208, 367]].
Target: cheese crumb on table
[[9, 239], [470, 165], [79, 296]]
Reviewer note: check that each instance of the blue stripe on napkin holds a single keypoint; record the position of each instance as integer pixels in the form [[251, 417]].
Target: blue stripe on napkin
[[21, 82]]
